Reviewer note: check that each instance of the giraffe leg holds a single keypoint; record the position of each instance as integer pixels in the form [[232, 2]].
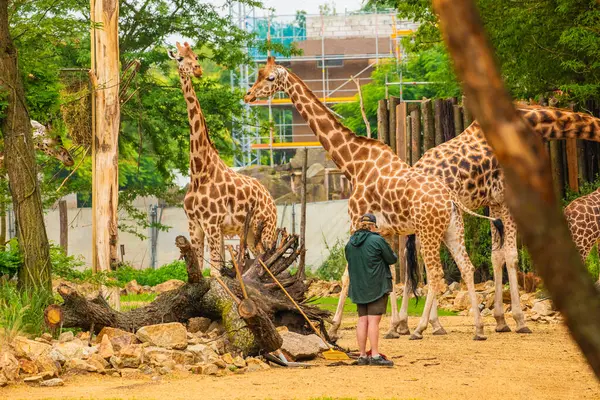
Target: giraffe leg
[[395, 321], [454, 239], [337, 318], [215, 240], [403, 317], [434, 320], [498, 261], [430, 245], [512, 264], [197, 238]]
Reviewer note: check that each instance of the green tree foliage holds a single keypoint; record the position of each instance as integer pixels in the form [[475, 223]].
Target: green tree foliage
[[542, 45]]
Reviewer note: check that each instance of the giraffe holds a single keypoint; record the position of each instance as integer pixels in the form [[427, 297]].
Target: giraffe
[[404, 200], [51, 146], [469, 168], [583, 217], [218, 198]]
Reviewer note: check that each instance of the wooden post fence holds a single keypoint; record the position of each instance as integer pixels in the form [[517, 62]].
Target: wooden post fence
[[64, 226]]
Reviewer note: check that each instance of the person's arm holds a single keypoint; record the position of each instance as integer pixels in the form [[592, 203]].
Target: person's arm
[[387, 253]]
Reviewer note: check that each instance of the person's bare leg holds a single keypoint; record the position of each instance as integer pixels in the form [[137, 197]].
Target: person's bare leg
[[373, 332], [362, 329]]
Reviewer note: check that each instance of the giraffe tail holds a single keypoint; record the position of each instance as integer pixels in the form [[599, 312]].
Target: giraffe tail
[[497, 222], [412, 264]]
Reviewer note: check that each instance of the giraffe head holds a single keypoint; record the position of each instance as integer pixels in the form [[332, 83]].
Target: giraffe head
[[269, 81], [187, 60], [52, 146]]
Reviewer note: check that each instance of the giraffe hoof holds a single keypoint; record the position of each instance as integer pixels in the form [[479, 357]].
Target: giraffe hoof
[[479, 337], [333, 335], [440, 332], [524, 330], [391, 335], [502, 329], [403, 331], [415, 336]]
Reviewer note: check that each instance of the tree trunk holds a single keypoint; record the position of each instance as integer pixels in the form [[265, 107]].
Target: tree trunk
[[382, 121], [105, 78], [530, 195], [64, 226], [20, 164], [392, 104], [428, 125]]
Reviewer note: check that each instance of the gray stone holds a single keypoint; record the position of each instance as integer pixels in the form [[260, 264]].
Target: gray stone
[[199, 324], [543, 308], [66, 337], [52, 382], [171, 336], [300, 347], [30, 349]]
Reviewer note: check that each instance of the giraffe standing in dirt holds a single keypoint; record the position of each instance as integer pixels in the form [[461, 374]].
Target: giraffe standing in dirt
[[469, 168], [583, 217], [404, 200], [218, 199]]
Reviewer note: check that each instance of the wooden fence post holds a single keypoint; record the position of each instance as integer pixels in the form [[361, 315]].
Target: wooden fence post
[[382, 121], [458, 120], [428, 125], [64, 225], [408, 138], [467, 116], [573, 164], [447, 118], [415, 120], [392, 104], [402, 154], [438, 105]]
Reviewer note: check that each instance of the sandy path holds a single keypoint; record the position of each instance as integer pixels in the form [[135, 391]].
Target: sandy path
[[544, 365]]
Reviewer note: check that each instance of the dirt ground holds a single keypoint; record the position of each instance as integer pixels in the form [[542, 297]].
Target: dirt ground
[[543, 365]]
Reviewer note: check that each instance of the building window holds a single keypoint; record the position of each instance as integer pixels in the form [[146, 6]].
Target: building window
[[335, 63]]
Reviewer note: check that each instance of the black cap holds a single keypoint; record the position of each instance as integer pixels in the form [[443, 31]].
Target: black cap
[[368, 218]]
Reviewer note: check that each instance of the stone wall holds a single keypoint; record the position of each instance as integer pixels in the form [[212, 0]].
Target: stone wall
[[361, 25]]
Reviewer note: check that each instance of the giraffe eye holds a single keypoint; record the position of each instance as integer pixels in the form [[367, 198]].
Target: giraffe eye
[[180, 59], [271, 78]]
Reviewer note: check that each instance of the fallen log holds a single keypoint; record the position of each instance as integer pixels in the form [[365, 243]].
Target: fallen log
[[250, 325]]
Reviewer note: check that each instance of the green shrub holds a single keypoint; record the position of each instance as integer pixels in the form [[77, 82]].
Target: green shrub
[[334, 265], [21, 311], [10, 259], [152, 277]]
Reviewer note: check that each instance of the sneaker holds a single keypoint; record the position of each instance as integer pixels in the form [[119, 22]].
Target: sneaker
[[381, 361], [362, 361]]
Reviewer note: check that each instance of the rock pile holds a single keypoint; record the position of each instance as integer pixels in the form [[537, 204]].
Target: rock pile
[[318, 288], [536, 309], [199, 348]]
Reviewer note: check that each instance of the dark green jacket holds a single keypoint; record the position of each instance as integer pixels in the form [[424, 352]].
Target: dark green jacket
[[369, 258]]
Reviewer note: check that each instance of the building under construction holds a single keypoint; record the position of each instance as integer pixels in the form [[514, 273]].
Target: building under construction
[[334, 49]]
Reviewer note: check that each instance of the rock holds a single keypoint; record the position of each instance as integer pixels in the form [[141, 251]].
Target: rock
[[462, 301], [199, 324], [3, 380], [131, 356], [30, 349], [300, 347], [220, 363], [489, 285], [506, 296], [205, 369], [133, 287], [169, 285], [216, 327], [66, 351], [227, 358], [105, 348], [84, 336], [52, 382], [9, 366], [171, 336], [46, 336], [46, 365], [129, 372], [33, 379], [454, 286], [77, 365], [543, 308], [202, 353], [100, 363], [527, 299], [27, 367], [66, 337], [254, 364], [486, 312], [116, 362], [118, 338], [489, 300], [239, 362]]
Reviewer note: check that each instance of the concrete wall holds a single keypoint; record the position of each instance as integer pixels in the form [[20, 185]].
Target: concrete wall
[[364, 25], [327, 220]]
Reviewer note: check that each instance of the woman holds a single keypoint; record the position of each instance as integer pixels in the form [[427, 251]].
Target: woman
[[369, 258]]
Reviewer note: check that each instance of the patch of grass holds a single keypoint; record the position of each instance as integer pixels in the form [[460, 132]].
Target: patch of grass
[[21, 311], [146, 297], [414, 309]]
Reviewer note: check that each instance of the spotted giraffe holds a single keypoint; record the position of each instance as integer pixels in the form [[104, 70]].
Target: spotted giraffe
[[404, 200], [218, 198], [583, 217], [469, 168], [51, 146]]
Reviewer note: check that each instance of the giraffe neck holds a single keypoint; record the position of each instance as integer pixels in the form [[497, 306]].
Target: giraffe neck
[[554, 124], [341, 143], [203, 154]]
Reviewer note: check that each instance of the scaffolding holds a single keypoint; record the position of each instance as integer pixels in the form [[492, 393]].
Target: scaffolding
[[379, 34]]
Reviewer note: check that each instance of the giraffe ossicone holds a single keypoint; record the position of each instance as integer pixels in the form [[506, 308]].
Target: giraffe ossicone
[[405, 200], [218, 199]]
